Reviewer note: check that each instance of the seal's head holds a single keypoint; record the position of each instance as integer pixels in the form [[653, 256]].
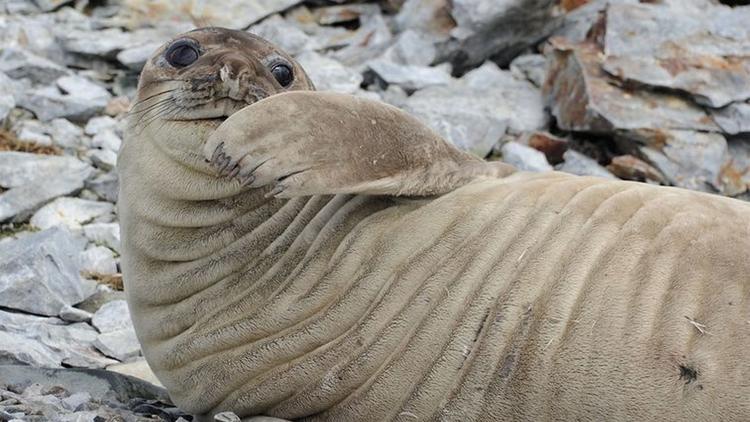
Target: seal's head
[[210, 73]]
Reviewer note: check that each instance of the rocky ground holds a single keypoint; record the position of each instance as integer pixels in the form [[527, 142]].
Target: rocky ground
[[655, 91]]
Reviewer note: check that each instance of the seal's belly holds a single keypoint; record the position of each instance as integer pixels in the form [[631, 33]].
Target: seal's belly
[[535, 297]]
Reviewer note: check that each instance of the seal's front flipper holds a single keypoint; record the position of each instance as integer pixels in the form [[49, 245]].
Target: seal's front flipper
[[315, 143]]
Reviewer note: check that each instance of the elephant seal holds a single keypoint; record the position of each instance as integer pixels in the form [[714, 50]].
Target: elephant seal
[[304, 255]]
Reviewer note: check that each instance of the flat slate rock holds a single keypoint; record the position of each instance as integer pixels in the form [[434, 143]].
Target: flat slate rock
[[39, 273], [702, 51], [48, 342], [100, 384], [584, 98]]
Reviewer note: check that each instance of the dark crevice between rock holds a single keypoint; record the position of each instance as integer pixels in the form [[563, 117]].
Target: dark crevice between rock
[[734, 3]]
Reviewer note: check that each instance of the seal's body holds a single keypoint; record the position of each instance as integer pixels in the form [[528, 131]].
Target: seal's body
[[323, 257]]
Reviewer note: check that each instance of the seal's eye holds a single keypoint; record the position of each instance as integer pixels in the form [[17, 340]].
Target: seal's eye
[[182, 53], [283, 74]]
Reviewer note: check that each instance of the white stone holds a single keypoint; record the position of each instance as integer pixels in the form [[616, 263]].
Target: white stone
[[98, 260], [70, 213], [104, 159], [39, 273], [409, 77], [23, 168], [67, 134], [72, 314], [524, 157], [108, 140], [33, 131], [328, 74], [135, 57], [112, 316], [48, 342], [107, 234], [121, 344], [98, 124], [76, 401], [7, 102]]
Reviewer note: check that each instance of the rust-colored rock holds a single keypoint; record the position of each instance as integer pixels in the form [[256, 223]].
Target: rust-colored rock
[[629, 167], [569, 5], [552, 146], [584, 98], [704, 52]]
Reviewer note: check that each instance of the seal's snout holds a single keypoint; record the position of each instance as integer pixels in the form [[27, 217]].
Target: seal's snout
[[231, 81]]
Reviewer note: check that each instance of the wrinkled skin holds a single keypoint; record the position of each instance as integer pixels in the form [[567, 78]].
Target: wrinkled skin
[[316, 256]]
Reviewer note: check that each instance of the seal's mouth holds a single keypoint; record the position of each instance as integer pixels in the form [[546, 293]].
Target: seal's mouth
[[184, 101]]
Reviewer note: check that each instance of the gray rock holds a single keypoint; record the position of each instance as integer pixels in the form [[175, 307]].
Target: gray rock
[[32, 131], [339, 14], [105, 186], [17, 349], [577, 23], [409, 77], [286, 35], [104, 159], [76, 401], [7, 102], [19, 203], [473, 117], [39, 273], [70, 213], [112, 316], [516, 99], [19, 63], [102, 295], [735, 175], [369, 41], [583, 98], [328, 74], [412, 48], [234, 14], [104, 43], [138, 368], [81, 87], [22, 168], [107, 234], [733, 119], [13, 88], [75, 315], [50, 5], [53, 342], [33, 180], [135, 57], [500, 30], [108, 140], [712, 81], [460, 117], [226, 417], [691, 160], [532, 67], [98, 260], [711, 62], [431, 17], [19, 7], [67, 135], [121, 344], [102, 385], [75, 98], [524, 157], [98, 124], [581, 165]]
